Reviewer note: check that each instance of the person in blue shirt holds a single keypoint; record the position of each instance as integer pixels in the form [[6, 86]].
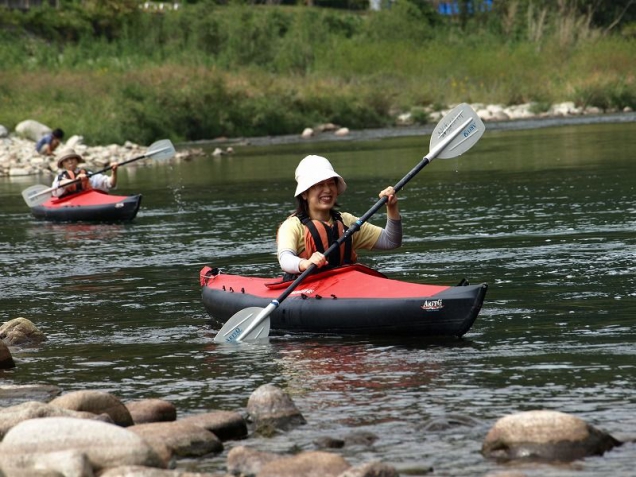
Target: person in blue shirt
[[49, 142]]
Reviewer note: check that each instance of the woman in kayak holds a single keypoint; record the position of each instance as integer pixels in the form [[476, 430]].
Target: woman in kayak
[[69, 160], [316, 223]]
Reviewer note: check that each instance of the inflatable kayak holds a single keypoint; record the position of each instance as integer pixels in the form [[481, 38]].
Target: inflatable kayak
[[352, 299], [89, 206]]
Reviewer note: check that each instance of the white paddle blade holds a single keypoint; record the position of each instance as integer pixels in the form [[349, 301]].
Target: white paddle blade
[[239, 323], [36, 195], [463, 116], [161, 150]]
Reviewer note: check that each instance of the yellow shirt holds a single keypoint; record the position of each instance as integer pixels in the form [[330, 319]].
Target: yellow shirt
[[291, 234]]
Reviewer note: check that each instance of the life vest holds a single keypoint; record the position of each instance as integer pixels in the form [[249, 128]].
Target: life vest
[[78, 186], [319, 236]]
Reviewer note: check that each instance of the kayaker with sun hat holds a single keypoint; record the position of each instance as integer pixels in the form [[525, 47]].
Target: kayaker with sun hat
[[316, 223], [68, 160]]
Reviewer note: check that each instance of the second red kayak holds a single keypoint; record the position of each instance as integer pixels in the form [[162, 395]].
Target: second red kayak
[[89, 206]]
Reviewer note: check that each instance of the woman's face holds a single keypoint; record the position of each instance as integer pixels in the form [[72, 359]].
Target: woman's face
[[70, 163], [322, 197]]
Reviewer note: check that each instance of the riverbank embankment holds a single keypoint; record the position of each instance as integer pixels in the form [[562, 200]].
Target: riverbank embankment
[[18, 156]]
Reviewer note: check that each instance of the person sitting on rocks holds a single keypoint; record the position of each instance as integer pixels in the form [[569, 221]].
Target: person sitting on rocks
[[49, 142], [68, 160]]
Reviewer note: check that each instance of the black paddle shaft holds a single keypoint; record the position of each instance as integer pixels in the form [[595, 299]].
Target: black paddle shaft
[[355, 227]]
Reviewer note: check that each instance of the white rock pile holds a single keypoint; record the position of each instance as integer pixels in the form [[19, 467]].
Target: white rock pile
[[18, 156]]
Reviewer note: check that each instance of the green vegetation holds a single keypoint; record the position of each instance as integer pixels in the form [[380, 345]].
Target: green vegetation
[[113, 71]]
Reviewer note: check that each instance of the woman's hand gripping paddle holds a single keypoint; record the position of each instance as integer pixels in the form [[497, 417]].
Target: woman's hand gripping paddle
[[455, 134], [38, 194]]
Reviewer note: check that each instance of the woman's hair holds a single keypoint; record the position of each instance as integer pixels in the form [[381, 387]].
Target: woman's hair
[[58, 133]]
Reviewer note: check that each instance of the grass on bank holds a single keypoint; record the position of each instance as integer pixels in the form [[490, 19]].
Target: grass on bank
[[252, 71]]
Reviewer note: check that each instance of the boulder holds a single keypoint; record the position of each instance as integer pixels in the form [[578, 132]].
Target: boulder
[[105, 445], [151, 410], [545, 436], [269, 405], [97, 402], [21, 331], [31, 129], [226, 425]]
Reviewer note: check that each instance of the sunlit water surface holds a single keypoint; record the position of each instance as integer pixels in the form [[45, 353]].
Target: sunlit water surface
[[546, 217]]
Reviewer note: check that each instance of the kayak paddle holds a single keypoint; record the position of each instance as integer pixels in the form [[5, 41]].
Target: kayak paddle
[[457, 132], [38, 194]]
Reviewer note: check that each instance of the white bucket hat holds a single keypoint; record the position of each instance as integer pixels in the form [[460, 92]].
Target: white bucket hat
[[314, 169]]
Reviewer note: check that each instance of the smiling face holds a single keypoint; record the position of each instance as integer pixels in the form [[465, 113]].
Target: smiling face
[[321, 198]]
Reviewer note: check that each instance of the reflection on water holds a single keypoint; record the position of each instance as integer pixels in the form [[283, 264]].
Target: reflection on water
[[546, 217]]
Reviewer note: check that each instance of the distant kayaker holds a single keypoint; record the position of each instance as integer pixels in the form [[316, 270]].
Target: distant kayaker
[[69, 160], [316, 223], [49, 142]]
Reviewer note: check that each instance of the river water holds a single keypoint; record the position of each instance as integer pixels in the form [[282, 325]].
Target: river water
[[546, 216]]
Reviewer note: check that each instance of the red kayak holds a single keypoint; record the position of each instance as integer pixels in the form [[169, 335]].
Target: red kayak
[[352, 299], [89, 206]]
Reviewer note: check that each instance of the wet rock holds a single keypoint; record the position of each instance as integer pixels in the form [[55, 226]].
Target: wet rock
[[371, 469], [105, 445], [138, 471], [268, 405], [306, 464], [225, 425], [12, 416], [244, 460], [151, 410], [97, 402], [182, 438], [48, 464], [6, 360], [545, 436], [329, 443], [21, 331], [360, 438]]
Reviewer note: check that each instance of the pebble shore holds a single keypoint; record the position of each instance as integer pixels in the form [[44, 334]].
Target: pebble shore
[[18, 156]]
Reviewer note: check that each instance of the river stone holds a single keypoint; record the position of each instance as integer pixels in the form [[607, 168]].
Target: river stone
[[545, 436], [20, 331], [307, 464], [226, 425], [138, 471], [49, 464], [31, 129], [12, 416], [97, 402], [151, 410], [6, 360], [105, 445], [270, 405], [182, 438], [371, 469], [244, 460]]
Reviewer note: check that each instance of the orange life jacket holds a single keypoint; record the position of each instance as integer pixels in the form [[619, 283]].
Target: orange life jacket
[[319, 236], [78, 186]]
